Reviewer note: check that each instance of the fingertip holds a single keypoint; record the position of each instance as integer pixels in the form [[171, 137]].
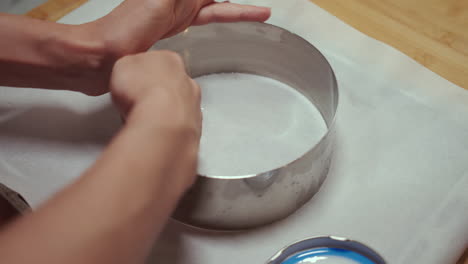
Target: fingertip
[[259, 14], [265, 13], [228, 12], [266, 10]]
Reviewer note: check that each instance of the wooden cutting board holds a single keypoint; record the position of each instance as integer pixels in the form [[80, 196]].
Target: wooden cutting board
[[433, 32]]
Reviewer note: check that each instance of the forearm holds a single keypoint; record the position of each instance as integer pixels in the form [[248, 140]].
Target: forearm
[[113, 213], [41, 54]]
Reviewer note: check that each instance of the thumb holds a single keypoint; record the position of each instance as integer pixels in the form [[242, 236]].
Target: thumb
[[229, 12]]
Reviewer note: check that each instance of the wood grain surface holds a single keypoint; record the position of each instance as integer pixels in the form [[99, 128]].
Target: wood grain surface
[[53, 10], [433, 32]]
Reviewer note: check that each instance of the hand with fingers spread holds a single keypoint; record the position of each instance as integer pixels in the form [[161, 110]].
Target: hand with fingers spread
[[141, 23]]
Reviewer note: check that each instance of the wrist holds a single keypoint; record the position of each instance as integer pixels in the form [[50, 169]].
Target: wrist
[[133, 27], [82, 56], [176, 142]]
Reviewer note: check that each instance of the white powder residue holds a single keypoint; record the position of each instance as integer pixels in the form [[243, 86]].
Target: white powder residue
[[253, 124]]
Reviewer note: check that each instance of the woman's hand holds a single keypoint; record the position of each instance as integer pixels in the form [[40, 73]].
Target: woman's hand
[[136, 25], [155, 94], [40, 54], [118, 207]]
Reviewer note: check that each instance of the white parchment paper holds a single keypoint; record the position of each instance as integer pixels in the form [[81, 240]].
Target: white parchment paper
[[399, 180]]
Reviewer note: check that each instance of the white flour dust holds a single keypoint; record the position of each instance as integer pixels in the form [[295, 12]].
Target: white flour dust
[[253, 124]]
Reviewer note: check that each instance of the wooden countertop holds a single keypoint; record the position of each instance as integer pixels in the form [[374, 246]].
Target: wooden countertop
[[433, 32], [53, 10]]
